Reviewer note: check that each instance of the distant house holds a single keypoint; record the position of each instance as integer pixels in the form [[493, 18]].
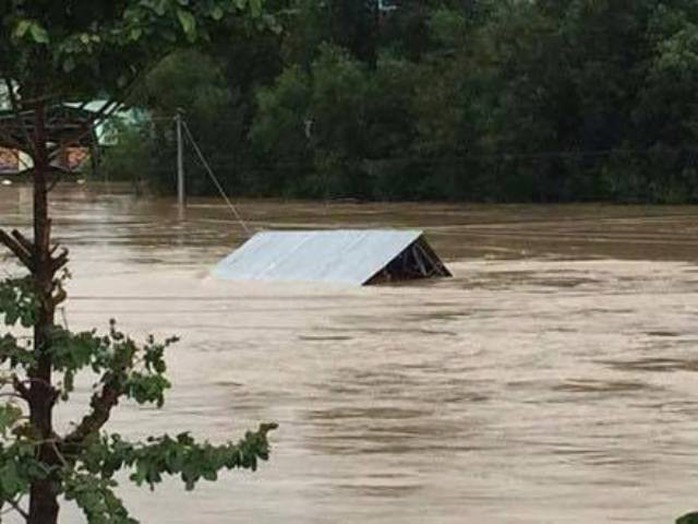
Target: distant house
[[68, 124], [107, 131]]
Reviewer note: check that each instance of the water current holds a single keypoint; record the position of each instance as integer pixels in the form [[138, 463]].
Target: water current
[[554, 379]]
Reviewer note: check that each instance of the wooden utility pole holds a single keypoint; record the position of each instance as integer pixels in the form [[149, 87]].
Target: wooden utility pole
[[181, 196]]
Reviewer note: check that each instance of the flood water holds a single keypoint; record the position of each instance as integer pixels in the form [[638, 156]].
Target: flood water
[[554, 379]]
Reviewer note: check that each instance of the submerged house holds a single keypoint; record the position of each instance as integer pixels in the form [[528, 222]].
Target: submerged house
[[353, 257]]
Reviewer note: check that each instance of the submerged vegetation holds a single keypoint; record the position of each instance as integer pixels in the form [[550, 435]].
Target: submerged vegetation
[[477, 100]]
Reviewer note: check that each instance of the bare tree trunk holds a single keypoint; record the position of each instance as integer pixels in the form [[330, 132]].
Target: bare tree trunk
[[43, 504]]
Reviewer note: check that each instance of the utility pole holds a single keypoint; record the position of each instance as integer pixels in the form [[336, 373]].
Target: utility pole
[[180, 164]]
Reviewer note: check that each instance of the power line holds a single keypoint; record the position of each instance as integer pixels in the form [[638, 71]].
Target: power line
[[231, 206]]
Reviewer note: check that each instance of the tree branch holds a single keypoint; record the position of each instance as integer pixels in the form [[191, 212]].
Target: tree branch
[[41, 382], [25, 256], [59, 261], [12, 395], [20, 388], [101, 405], [59, 297], [23, 241], [15, 506]]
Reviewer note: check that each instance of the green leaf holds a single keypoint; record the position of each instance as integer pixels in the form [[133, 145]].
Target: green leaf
[[217, 13], [160, 8], [10, 481], [135, 33], [255, 7], [188, 22], [9, 415], [95, 497], [38, 33], [18, 301], [22, 28]]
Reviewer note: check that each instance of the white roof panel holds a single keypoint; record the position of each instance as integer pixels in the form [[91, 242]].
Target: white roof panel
[[343, 256]]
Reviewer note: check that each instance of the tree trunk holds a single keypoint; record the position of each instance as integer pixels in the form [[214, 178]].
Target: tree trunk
[[43, 504]]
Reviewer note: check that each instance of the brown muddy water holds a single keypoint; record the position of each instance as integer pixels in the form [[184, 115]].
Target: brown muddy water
[[554, 379]]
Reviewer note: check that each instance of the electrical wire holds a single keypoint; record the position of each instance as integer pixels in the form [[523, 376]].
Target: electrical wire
[[218, 185]]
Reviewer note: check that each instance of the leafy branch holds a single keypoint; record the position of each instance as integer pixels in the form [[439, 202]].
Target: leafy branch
[[83, 463]]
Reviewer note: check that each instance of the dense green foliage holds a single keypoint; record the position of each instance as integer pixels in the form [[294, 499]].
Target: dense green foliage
[[78, 49], [493, 100]]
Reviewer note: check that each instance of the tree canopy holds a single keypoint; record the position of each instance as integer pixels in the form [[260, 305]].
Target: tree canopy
[[82, 48], [465, 100]]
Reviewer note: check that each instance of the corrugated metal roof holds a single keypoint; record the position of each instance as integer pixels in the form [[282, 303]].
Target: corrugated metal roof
[[344, 256]]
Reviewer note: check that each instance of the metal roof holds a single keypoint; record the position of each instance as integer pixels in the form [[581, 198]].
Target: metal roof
[[343, 256]]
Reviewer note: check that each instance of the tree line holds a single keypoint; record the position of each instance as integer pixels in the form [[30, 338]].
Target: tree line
[[465, 100]]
